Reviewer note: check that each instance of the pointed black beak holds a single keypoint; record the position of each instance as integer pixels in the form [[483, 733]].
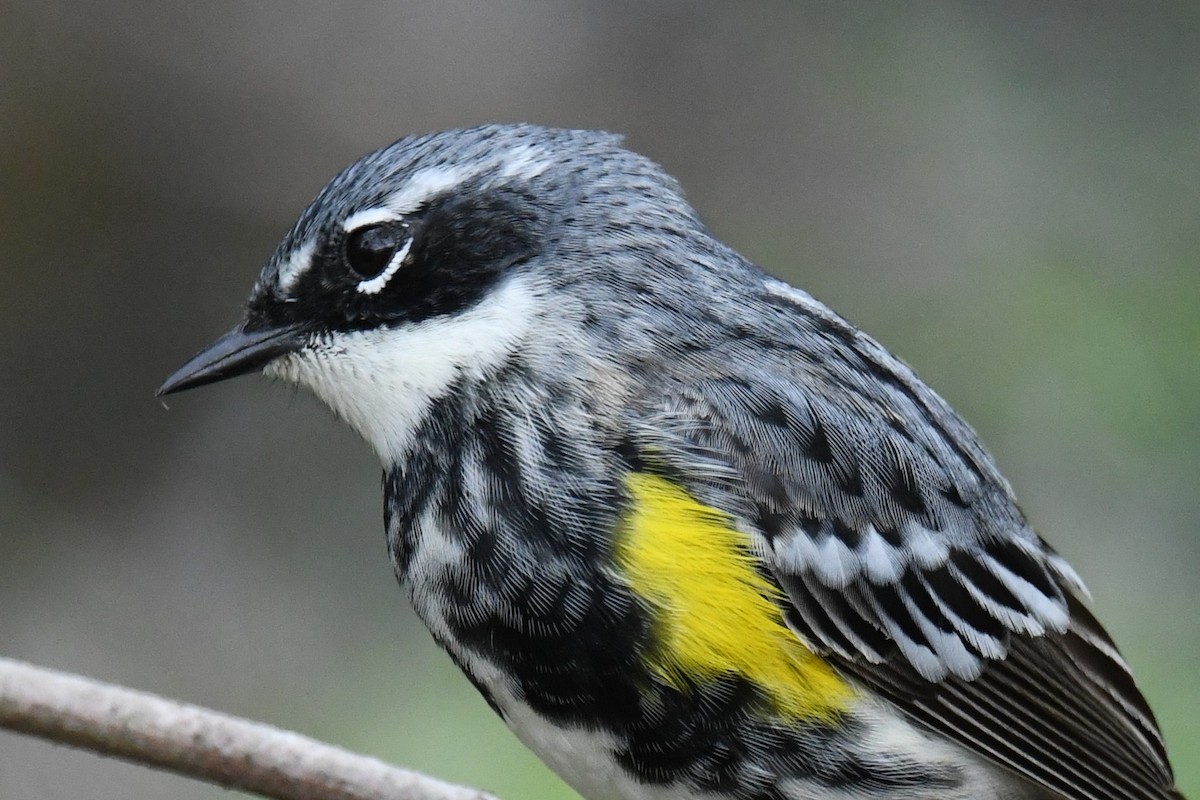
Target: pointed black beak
[[236, 353]]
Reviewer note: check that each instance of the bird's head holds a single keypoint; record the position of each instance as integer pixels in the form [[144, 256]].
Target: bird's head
[[441, 258]]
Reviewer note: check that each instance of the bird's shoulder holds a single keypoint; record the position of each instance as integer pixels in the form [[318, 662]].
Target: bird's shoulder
[[850, 468]]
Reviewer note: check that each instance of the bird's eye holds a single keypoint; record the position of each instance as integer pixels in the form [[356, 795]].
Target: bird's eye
[[371, 248]]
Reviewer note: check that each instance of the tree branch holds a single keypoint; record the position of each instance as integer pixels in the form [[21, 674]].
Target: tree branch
[[193, 741]]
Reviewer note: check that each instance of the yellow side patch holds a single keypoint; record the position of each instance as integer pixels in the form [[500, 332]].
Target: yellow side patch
[[714, 614]]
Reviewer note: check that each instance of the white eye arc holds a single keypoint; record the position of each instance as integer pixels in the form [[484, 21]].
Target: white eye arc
[[369, 216], [375, 285]]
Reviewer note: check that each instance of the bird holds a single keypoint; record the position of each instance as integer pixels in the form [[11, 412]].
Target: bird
[[688, 531]]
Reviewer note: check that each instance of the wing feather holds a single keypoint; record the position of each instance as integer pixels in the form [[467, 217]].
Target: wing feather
[[907, 563]]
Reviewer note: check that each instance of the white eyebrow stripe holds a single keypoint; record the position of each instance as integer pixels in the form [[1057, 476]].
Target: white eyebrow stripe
[[296, 265], [375, 285], [527, 161], [422, 187]]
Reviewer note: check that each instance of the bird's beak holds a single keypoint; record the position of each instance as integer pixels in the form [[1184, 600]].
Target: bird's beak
[[236, 353]]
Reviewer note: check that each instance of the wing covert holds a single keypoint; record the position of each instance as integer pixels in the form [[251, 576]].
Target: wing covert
[[908, 564]]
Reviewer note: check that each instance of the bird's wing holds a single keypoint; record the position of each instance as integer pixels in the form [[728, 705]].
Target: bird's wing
[[907, 563]]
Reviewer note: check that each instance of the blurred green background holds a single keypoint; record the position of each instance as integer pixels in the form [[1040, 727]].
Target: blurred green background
[[1006, 195]]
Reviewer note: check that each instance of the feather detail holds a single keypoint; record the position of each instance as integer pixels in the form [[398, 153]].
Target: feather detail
[[906, 563]]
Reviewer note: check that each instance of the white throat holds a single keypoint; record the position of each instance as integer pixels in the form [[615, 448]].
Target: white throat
[[382, 382]]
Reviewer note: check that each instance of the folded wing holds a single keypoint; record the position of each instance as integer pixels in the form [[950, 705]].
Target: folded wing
[[905, 558]]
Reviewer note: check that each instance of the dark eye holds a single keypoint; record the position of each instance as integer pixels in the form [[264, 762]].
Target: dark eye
[[370, 249]]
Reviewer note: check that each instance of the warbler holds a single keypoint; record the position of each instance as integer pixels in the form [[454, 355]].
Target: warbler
[[689, 532]]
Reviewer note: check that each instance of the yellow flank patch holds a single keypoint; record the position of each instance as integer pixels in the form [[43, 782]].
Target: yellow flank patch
[[714, 613]]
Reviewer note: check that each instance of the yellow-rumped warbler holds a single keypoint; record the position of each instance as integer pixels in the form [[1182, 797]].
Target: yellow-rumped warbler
[[692, 534]]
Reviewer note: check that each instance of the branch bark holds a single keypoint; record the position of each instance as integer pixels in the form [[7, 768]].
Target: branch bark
[[193, 741]]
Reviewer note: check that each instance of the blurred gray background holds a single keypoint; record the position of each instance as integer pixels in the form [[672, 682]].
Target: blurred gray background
[[1005, 195]]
